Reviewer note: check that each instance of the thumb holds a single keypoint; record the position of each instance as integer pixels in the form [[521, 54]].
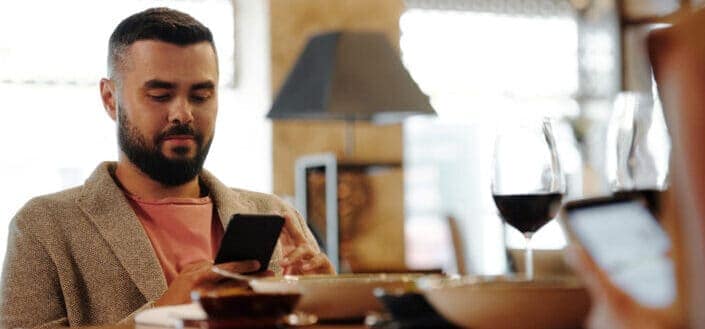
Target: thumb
[[245, 266], [597, 282]]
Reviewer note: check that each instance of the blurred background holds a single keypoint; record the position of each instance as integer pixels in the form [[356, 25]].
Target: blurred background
[[412, 191]]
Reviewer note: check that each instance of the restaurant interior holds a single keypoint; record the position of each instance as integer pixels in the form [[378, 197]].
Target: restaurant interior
[[398, 128]]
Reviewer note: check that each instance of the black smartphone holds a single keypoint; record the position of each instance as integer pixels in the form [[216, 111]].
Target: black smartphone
[[626, 241], [250, 237]]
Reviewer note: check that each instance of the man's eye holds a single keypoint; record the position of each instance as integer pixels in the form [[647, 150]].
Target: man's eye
[[160, 97], [198, 98]]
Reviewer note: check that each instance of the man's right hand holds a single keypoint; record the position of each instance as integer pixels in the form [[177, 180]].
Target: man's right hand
[[198, 274]]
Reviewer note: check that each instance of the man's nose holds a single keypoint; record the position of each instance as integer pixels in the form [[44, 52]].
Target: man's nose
[[181, 112]]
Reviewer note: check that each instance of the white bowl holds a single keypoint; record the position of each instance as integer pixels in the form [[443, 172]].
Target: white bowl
[[507, 302], [336, 296]]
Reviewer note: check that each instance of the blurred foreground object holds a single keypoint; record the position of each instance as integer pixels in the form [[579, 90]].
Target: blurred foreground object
[[610, 306], [678, 57]]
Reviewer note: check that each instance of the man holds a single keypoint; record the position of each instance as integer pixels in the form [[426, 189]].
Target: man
[[143, 231]]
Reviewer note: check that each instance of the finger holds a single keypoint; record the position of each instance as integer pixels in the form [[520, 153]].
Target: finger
[[288, 249], [596, 273], [204, 276], [297, 255], [196, 272], [286, 241], [288, 237], [573, 258], [208, 275], [196, 266], [292, 229], [598, 283], [240, 266], [315, 264]]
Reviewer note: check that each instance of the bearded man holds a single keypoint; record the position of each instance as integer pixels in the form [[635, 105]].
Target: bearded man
[[142, 231]]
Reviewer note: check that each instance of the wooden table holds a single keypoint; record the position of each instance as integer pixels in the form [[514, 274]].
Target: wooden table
[[318, 326]]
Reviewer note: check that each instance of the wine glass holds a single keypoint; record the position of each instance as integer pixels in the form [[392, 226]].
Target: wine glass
[[527, 182], [638, 148]]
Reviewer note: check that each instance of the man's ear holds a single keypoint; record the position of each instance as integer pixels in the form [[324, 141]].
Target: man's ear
[[108, 93]]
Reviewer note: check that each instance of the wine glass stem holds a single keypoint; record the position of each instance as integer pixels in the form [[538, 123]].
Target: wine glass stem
[[528, 258]]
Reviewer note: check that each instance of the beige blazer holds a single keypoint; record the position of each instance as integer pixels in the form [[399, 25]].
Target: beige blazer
[[80, 257]]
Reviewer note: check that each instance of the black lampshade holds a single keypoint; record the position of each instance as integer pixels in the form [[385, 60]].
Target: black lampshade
[[349, 76]]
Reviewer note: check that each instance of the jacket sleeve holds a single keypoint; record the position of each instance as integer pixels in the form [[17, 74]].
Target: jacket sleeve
[[30, 292]]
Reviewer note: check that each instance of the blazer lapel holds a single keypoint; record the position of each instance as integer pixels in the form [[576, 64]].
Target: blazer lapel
[[106, 205], [226, 200]]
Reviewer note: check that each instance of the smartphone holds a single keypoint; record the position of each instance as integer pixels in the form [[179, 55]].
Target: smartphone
[[250, 237], [626, 241]]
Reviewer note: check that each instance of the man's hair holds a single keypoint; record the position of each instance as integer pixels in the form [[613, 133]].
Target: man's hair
[[162, 24]]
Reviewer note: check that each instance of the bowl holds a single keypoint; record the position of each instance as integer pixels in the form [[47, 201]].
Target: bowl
[[230, 303], [345, 296], [501, 302]]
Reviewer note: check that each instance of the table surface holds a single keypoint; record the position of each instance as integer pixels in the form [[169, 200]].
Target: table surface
[[318, 326]]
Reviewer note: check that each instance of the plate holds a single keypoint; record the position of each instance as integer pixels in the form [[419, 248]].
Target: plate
[[345, 296]]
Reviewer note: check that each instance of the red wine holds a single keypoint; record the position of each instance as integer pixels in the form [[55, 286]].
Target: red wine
[[528, 212]]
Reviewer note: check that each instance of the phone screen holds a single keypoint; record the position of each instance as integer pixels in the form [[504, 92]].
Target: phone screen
[[627, 242], [250, 237]]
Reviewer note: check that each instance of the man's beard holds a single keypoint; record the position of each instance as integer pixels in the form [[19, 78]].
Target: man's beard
[[169, 172]]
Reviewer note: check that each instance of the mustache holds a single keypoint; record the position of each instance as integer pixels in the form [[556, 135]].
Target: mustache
[[179, 130]]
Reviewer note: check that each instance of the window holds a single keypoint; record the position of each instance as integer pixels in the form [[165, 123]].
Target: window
[[480, 64]]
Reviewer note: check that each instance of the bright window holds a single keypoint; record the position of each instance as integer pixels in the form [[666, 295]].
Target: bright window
[[479, 68]]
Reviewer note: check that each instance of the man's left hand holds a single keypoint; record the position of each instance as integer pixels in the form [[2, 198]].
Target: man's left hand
[[299, 256]]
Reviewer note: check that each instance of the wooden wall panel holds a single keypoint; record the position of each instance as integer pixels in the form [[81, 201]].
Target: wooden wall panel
[[380, 246], [292, 22]]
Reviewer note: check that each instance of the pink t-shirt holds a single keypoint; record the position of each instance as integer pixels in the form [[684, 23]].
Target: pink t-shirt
[[181, 230]]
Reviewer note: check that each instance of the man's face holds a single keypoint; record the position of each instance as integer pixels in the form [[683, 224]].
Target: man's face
[[167, 105]]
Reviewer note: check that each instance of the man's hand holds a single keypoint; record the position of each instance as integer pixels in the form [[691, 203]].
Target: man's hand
[[611, 307], [299, 256], [198, 274]]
